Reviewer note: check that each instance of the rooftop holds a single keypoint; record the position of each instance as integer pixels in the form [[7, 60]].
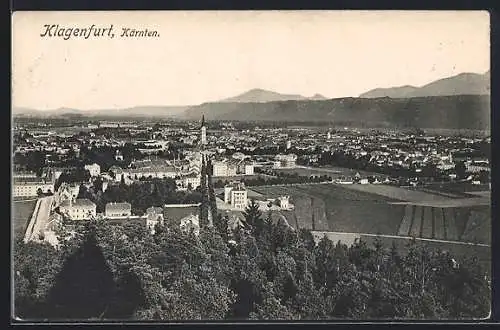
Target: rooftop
[[118, 206], [79, 202]]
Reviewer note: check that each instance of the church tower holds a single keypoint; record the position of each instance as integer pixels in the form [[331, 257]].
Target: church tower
[[203, 131]]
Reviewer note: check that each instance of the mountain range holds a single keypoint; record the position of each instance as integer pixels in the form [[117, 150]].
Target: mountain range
[[258, 95], [458, 102], [461, 84], [134, 112], [449, 112]]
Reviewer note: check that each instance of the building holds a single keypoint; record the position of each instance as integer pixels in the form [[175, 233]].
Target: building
[[235, 194], [230, 168], [108, 125], [477, 166], [20, 175], [31, 187], [154, 216], [191, 223], [118, 156], [67, 191], [219, 168], [155, 171], [117, 172], [288, 144], [203, 131], [249, 169], [184, 216], [188, 182], [286, 161], [78, 209], [93, 169], [284, 202], [116, 210], [55, 172]]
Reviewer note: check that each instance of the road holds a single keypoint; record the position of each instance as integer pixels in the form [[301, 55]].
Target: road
[[39, 218], [351, 236], [319, 169]]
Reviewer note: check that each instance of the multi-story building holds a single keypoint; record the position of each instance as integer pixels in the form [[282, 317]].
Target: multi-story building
[[21, 175], [188, 182], [235, 194], [161, 171], [78, 209], [249, 169], [286, 160], [30, 187], [219, 168], [116, 210]]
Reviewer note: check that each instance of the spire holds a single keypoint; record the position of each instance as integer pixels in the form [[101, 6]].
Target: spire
[[202, 120]]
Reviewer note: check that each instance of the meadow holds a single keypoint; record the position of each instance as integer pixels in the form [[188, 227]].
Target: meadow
[[21, 213], [384, 210]]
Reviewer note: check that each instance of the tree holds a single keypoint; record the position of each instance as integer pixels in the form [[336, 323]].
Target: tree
[[253, 217], [271, 308], [460, 169], [84, 286]]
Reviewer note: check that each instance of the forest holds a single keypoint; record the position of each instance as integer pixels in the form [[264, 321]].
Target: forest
[[263, 270]]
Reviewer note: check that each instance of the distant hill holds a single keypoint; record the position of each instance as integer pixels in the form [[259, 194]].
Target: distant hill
[[448, 112], [135, 112], [461, 84], [258, 95]]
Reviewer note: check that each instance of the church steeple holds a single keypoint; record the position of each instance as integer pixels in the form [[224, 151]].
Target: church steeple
[[203, 131]]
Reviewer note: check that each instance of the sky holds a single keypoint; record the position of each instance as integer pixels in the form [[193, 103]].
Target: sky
[[207, 56]]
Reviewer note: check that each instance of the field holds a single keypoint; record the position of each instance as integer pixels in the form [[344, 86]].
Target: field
[[335, 208], [463, 188], [21, 213], [398, 193], [423, 198], [373, 209]]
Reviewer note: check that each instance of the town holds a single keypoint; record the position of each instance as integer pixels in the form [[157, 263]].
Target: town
[[73, 167]]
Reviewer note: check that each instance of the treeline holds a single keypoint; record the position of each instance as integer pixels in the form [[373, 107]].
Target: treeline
[[265, 271], [141, 195], [276, 177]]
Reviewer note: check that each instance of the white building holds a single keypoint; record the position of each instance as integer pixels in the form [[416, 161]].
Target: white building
[[78, 209], [188, 182], [286, 161], [249, 169], [116, 210], [154, 215], [235, 194], [162, 171], [219, 168], [29, 188], [20, 175], [118, 156], [108, 125], [191, 223], [281, 203], [93, 169]]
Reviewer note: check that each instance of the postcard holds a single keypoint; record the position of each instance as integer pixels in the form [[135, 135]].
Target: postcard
[[243, 166]]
